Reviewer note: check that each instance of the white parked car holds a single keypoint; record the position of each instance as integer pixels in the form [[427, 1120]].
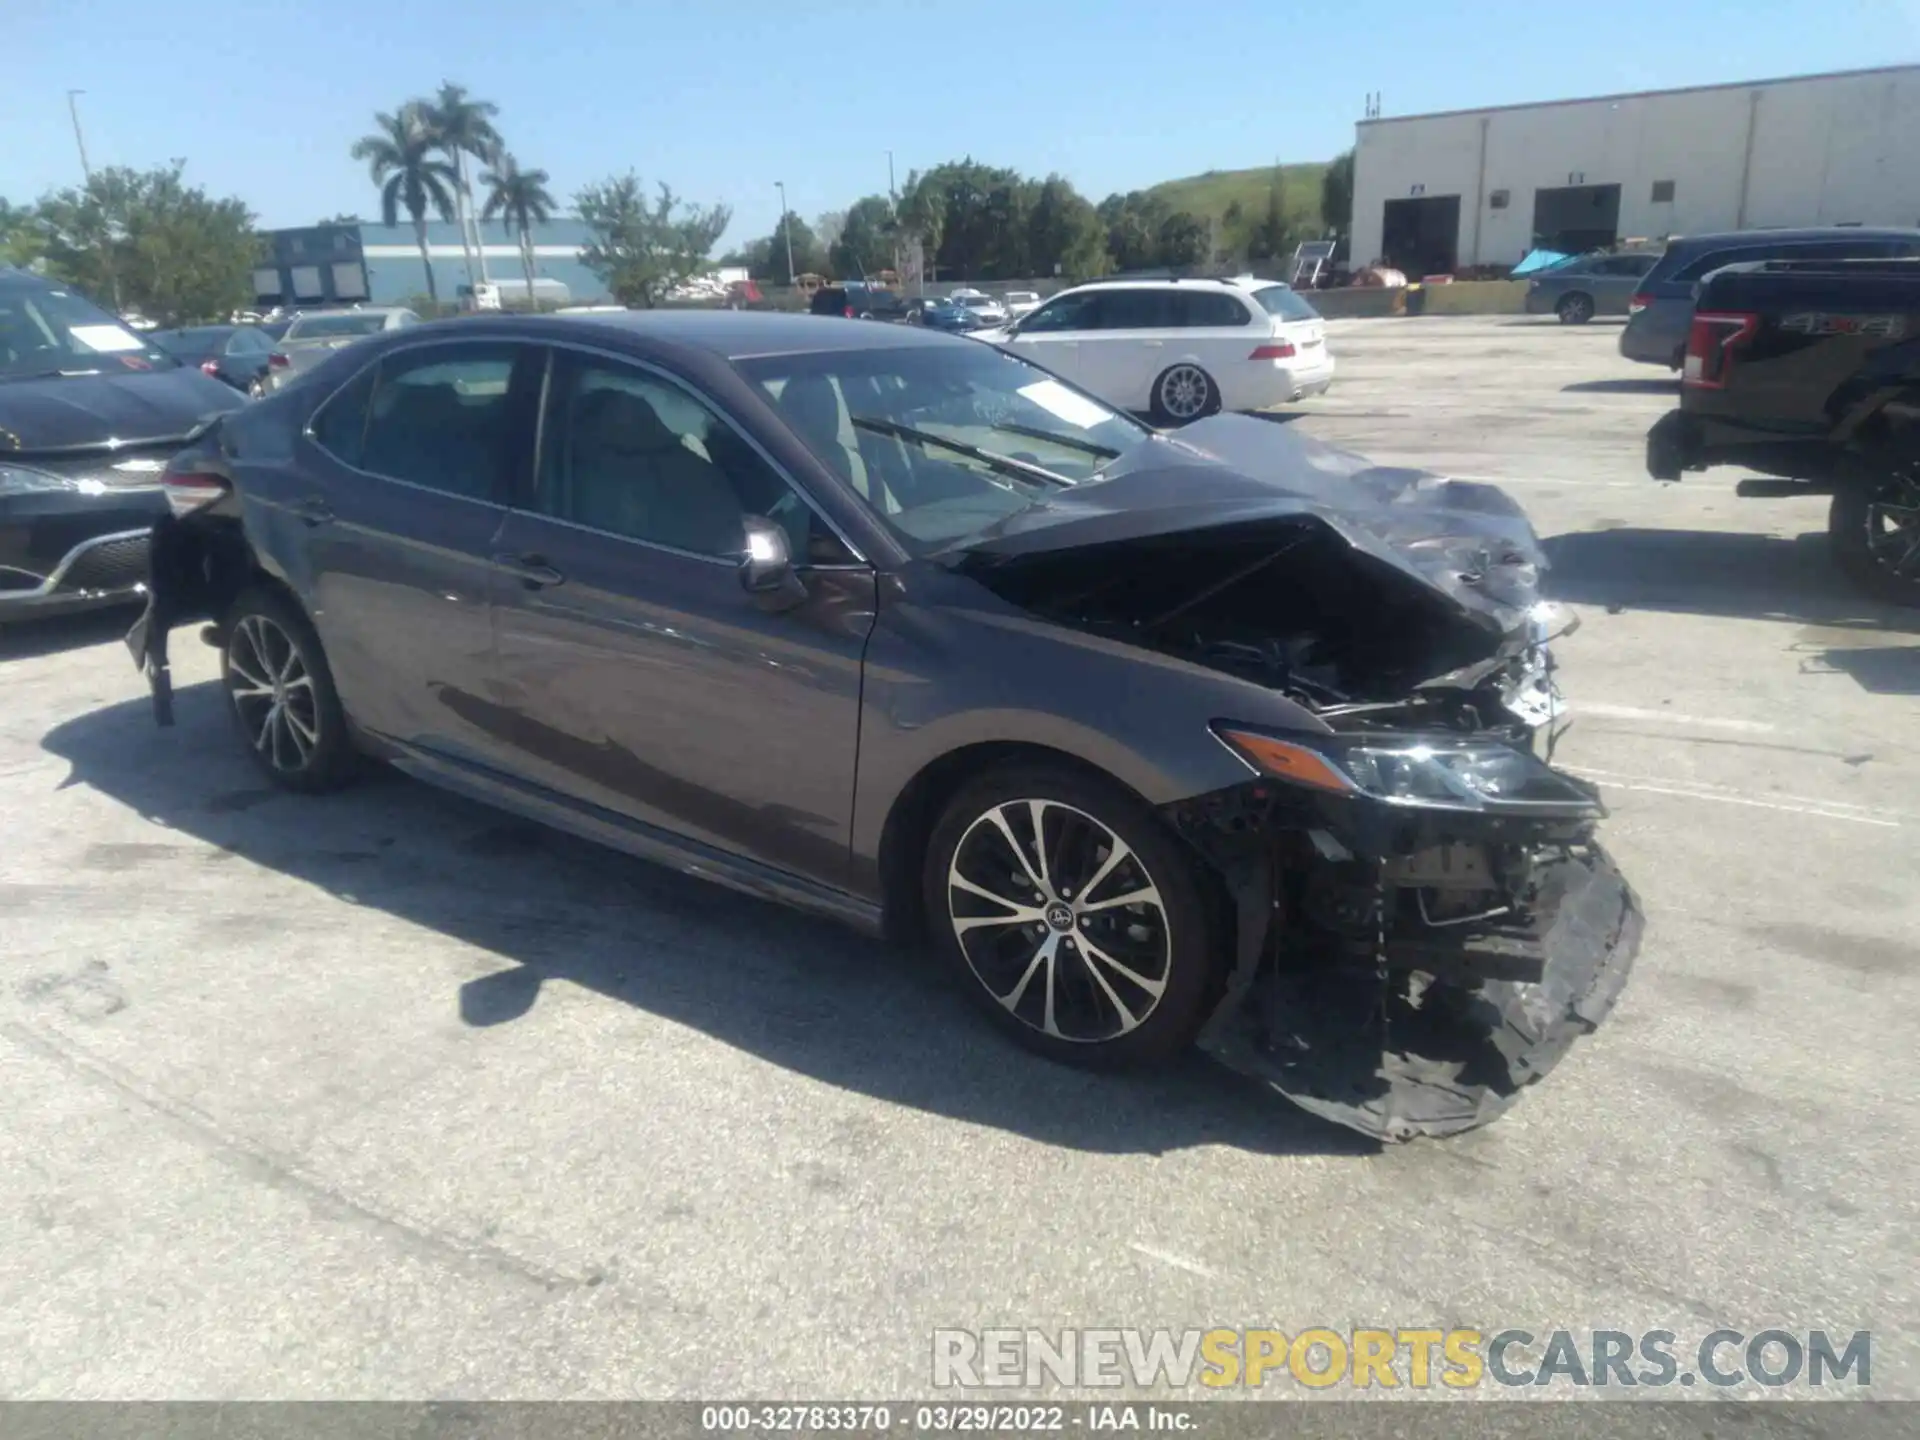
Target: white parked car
[[1178, 349], [1021, 302], [982, 305]]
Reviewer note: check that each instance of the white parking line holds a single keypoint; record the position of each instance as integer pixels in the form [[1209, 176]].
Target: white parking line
[[1674, 717], [1720, 794], [1179, 1262]]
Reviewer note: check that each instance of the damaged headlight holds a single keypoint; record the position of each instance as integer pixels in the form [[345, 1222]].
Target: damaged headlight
[[1448, 772], [21, 480]]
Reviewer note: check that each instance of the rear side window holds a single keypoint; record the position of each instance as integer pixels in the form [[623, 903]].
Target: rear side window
[[1135, 310], [339, 427], [441, 418], [1283, 302], [1208, 308]]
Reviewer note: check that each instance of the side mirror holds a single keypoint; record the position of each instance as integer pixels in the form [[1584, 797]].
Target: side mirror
[[766, 570]]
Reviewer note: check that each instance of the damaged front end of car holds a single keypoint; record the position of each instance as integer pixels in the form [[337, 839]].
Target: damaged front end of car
[[1425, 919]]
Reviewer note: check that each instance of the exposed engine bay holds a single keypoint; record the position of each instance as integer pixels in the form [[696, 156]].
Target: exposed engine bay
[[1427, 923]]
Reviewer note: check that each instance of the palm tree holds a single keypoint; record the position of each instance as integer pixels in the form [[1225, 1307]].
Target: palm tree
[[463, 126], [409, 175], [520, 199]]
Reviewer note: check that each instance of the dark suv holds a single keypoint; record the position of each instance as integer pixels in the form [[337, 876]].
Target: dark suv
[[859, 300], [1661, 311]]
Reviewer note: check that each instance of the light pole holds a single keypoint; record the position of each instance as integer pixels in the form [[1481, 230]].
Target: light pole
[[786, 228], [86, 169]]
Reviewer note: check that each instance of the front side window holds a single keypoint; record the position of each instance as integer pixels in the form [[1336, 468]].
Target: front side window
[[441, 417], [1064, 312], [632, 453], [942, 441]]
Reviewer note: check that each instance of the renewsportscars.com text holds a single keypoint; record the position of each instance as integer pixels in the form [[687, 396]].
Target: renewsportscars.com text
[[1365, 1358]]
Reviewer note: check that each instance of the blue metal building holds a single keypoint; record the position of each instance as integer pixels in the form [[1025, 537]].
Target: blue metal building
[[380, 264]]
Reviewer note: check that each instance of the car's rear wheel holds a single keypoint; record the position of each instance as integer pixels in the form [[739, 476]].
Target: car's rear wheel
[[1574, 308], [1184, 393], [1070, 914], [281, 693], [256, 388], [1873, 525]]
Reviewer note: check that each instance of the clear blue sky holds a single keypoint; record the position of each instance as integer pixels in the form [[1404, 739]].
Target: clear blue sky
[[264, 97]]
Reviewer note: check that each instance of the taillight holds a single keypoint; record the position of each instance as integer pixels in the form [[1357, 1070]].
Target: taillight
[[188, 490], [277, 361], [1638, 303], [209, 367], [850, 312], [1278, 350], [1713, 341]]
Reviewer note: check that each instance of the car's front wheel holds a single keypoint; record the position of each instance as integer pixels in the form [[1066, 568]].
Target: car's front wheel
[[1184, 393], [1072, 916], [281, 693]]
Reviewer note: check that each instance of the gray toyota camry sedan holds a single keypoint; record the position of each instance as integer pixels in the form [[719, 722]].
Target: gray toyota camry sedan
[[1222, 737]]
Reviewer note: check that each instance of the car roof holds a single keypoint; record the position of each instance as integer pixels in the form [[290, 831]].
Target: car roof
[[727, 334], [1790, 236]]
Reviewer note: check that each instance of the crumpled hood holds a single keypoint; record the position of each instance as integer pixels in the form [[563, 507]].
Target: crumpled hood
[[1466, 540], [82, 411]]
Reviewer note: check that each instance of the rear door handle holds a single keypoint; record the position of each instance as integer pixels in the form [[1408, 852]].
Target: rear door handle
[[313, 510], [532, 571]]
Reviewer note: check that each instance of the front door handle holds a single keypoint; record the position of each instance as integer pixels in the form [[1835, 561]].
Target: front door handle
[[532, 571], [313, 510]]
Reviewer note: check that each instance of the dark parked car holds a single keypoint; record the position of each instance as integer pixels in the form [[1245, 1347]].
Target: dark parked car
[[235, 355], [1589, 285], [1662, 309], [90, 411], [1808, 371], [857, 300], [894, 626], [938, 313]]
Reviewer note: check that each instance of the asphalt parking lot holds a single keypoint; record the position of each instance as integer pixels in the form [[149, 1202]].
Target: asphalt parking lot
[[387, 1095]]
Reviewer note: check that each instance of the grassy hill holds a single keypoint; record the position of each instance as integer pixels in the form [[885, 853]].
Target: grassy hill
[[1209, 195]]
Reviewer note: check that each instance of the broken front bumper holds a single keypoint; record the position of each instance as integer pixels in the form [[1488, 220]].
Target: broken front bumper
[[1361, 1005]]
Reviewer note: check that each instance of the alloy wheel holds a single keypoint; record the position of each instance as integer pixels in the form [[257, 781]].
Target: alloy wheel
[[1893, 527], [273, 693], [1185, 392], [1059, 920]]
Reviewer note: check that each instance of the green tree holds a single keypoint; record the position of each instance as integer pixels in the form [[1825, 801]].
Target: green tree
[[1336, 194], [170, 251], [640, 250], [921, 213], [1272, 237], [865, 244], [23, 239], [1133, 224], [401, 159], [519, 200], [1183, 241], [807, 256], [1064, 233], [462, 127]]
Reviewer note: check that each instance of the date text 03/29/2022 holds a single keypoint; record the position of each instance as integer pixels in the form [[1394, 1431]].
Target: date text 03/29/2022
[[943, 1419]]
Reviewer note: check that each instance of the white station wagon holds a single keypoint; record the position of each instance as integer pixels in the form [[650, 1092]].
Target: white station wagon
[[1178, 349]]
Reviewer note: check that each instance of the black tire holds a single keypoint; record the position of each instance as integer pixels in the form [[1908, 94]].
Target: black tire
[[280, 693], [1875, 549], [1182, 394], [1117, 985], [1575, 308]]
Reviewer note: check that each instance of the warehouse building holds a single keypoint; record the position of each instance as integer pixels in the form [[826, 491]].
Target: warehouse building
[[360, 263], [1433, 194]]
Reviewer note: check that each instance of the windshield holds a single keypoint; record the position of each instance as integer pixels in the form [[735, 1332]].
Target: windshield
[[897, 424], [329, 327], [1283, 302], [55, 332]]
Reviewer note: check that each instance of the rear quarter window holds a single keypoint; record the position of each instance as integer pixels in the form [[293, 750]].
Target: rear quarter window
[[1283, 302]]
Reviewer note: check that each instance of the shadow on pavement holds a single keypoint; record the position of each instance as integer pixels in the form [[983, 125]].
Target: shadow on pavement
[[799, 992], [1714, 572], [1553, 322], [1636, 385], [24, 639], [1886, 670]]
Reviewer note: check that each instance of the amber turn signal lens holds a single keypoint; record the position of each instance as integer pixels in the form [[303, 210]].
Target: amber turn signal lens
[[1297, 763]]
